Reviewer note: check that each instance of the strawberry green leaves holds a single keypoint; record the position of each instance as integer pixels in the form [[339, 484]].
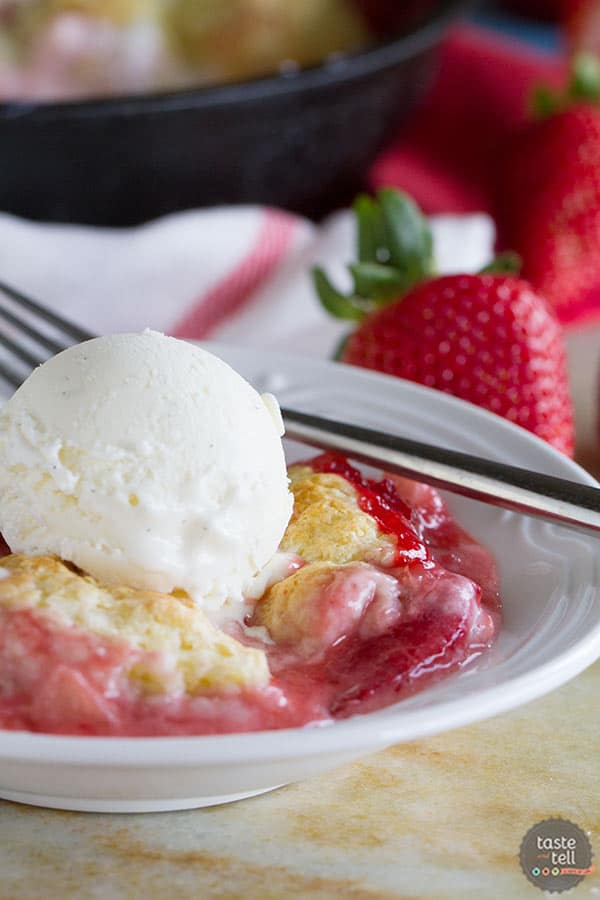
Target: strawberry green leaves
[[371, 237], [507, 263], [408, 236], [338, 305], [583, 87], [395, 252], [584, 84], [373, 279]]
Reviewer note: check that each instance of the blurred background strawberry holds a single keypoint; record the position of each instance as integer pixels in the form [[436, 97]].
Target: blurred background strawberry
[[549, 193], [582, 21], [477, 145]]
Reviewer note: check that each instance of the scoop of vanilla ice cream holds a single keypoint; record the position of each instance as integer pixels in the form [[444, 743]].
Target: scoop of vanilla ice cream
[[145, 461]]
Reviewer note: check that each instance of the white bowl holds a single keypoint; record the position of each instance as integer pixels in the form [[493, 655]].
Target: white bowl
[[551, 629]]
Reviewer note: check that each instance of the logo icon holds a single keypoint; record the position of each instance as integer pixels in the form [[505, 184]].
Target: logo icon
[[556, 855]]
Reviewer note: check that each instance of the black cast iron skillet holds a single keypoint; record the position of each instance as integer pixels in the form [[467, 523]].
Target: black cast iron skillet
[[300, 142]]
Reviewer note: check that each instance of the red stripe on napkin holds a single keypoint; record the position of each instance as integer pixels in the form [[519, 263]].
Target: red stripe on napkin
[[231, 294]]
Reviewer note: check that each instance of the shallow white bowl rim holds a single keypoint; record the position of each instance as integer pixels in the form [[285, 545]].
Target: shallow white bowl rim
[[358, 733]]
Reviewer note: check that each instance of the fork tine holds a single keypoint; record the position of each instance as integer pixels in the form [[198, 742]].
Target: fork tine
[[73, 331], [30, 331], [20, 352], [10, 375]]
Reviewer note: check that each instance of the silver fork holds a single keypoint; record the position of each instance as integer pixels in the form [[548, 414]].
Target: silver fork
[[30, 333]]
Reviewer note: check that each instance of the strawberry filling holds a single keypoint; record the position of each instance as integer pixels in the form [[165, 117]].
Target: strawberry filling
[[66, 681], [433, 624], [371, 637], [381, 500]]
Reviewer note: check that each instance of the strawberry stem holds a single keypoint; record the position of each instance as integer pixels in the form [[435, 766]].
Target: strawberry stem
[[395, 252], [507, 263], [341, 346], [583, 87], [585, 78], [545, 102]]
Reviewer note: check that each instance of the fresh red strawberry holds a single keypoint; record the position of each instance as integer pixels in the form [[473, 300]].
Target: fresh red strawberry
[[488, 338], [582, 20], [549, 196]]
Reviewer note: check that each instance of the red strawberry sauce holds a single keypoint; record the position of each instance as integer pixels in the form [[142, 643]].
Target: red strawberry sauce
[[381, 500], [400, 629]]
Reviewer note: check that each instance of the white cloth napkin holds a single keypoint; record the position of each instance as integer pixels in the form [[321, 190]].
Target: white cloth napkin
[[236, 274]]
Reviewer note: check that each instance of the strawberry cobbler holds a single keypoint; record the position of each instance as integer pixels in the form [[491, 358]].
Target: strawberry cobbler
[[204, 589]]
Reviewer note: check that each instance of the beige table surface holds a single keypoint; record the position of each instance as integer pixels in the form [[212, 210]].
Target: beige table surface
[[439, 818]]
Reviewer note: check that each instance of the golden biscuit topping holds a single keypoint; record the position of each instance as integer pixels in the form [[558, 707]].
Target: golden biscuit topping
[[180, 648], [288, 607], [328, 525]]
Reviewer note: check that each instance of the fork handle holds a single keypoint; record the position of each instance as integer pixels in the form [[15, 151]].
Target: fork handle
[[510, 487]]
